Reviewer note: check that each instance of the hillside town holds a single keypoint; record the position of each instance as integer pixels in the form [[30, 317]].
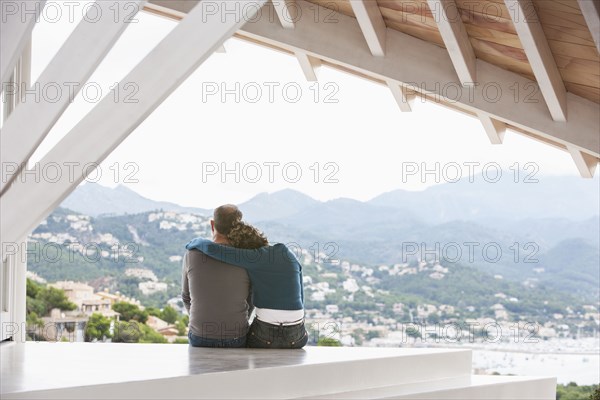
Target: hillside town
[[345, 300], [62, 325]]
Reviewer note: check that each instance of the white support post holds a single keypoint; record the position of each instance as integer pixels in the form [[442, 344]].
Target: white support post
[[186, 47], [13, 266], [591, 13], [309, 66], [585, 163], [455, 37], [18, 19], [19, 295], [371, 23], [540, 56], [404, 99], [494, 129], [89, 43], [13, 282], [286, 12]]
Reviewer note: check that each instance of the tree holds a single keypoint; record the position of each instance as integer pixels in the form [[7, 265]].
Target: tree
[[127, 332], [41, 300], [55, 298], [153, 311], [331, 342], [169, 314], [35, 327], [97, 327], [33, 288], [181, 326], [130, 312], [149, 335]]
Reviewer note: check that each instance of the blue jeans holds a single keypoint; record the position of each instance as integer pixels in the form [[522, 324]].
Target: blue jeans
[[263, 335], [199, 341]]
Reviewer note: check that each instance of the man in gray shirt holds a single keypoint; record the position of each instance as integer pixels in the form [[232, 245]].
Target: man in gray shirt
[[216, 295]]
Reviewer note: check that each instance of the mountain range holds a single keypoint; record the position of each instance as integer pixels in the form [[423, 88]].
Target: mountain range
[[501, 203], [552, 224], [94, 200]]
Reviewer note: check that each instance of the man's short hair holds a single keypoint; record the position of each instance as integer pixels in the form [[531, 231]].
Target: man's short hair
[[225, 216]]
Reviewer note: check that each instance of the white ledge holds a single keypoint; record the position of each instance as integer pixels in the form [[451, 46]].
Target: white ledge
[[35, 370]]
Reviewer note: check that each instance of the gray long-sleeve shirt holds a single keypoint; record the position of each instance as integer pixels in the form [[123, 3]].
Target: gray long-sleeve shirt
[[216, 296]]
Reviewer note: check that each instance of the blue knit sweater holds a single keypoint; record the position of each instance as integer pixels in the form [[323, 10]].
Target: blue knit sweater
[[274, 271]]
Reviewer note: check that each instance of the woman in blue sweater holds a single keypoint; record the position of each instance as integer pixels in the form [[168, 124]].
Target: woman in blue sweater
[[276, 277]]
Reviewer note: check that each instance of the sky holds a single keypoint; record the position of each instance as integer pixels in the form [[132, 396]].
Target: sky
[[247, 121]]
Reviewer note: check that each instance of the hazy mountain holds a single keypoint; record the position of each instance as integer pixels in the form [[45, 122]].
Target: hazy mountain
[[351, 219], [548, 232], [379, 231], [505, 200], [573, 266], [275, 206], [94, 199]]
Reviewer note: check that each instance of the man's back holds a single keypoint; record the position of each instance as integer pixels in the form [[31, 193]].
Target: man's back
[[216, 296]]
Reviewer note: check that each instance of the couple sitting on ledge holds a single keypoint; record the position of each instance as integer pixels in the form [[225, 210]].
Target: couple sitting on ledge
[[237, 272]]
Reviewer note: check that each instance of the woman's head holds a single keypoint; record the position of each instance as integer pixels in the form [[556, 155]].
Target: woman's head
[[245, 236]]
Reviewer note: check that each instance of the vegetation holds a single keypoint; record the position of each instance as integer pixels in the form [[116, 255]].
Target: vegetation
[[136, 332], [169, 314], [130, 312], [331, 342], [97, 328], [464, 286], [573, 392], [42, 299]]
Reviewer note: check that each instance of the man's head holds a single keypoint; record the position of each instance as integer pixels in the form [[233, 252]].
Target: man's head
[[224, 217]]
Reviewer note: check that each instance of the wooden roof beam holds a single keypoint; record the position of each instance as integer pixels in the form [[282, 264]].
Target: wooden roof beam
[[456, 39], [586, 164], [427, 67], [494, 129], [403, 96], [540, 56], [286, 12], [309, 65], [371, 23], [591, 12]]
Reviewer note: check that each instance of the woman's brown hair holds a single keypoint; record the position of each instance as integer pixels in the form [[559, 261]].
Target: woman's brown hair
[[245, 236]]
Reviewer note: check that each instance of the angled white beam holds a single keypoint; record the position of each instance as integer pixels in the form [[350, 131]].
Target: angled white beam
[[591, 12], [309, 66], [585, 163], [428, 67], [494, 129], [403, 96], [188, 45], [371, 23], [286, 12], [222, 49], [456, 39], [540, 56], [17, 21], [70, 69]]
